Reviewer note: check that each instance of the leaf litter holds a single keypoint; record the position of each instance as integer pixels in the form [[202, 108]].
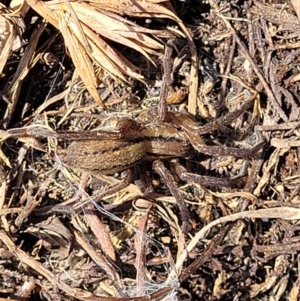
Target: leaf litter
[[57, 242]]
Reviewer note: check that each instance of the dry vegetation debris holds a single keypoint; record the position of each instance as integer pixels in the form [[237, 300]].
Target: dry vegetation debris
[[218, 223]]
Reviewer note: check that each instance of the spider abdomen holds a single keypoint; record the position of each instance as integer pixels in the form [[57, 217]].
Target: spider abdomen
[[104, 156]]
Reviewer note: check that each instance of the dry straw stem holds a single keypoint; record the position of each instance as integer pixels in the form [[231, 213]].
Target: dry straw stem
[[77, 293], [12, 27], [99, 258], [296, 5], [100, 231], [13, 87], [140, 244], [86, 26], [287, 213]]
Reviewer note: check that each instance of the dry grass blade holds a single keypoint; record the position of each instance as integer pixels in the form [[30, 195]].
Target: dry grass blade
[[288, 213], [155, 9], [4, 159], [77, 293], [100, 232], [80, 33], [89, 21], [98, 258], [3, 187], [137, 8], [80, 57], [13, 87], [106, 57], [140, 246], [117, 28], [296, 5], [11, 27]]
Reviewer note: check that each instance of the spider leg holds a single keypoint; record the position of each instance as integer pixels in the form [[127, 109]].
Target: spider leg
[[228, 118], [167, 177], [207, 181], [215, 150], [97, 196], [124, 128], [68, 208], [185, 122], [192, 132]]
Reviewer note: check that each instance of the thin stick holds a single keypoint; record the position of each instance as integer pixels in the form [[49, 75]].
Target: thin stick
[[166, 82], [269, 92]]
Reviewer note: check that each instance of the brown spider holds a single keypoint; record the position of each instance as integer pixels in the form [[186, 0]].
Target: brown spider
[[155, 135], [133, 141]]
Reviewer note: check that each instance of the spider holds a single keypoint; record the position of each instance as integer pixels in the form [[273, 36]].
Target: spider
[[157, 135], [134, 141]]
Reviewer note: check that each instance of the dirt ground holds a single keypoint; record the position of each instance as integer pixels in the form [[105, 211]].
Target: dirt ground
[[163, 167]]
